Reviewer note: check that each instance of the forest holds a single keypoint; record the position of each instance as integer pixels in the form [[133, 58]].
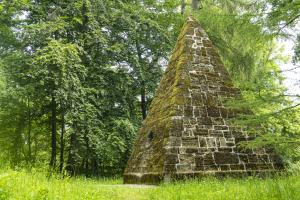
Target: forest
[[77, 78]]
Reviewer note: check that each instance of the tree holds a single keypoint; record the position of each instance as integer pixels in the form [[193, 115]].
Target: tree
[[145, 45], [57, 73]]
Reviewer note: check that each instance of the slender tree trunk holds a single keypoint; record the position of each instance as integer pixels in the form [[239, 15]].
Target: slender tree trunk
[[87, 146], [18, 143], [195, 5], [53, 132], [29, 133], [86, 170], [142, 80], [183, 5], [143, 100], [35, 140], [71, 168], [95, 167], [62, 143]]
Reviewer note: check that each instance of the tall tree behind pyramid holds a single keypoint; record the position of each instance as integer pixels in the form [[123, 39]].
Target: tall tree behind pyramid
[[188, 131]]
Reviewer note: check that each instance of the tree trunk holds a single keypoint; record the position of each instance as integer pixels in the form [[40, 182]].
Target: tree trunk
[[16, 148], [142, 80], [195, 5], [29, 134], [35, 140], [62, 143], [143, 100], [183, 5], [87, 146], [53, 132], [71, 168]]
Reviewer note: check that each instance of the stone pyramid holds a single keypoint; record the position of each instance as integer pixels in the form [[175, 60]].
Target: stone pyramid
[[187, 132]]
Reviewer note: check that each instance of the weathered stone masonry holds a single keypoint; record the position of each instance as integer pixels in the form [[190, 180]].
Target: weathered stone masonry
[[187, 131]]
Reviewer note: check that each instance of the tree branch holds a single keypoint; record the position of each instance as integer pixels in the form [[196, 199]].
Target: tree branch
[[288, 23], [288, 70]]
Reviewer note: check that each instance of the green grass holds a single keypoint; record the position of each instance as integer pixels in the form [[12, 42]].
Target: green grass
[[36, 186]]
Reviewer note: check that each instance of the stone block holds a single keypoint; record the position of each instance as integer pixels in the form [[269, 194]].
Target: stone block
[[224, 167], [222, 142], [171, 159], [263, 159], [196, 99], [200, 132], [190, 142], [219, 127], [188, 100], [199, 160], [211, 100], [186, 158], [186, 121], [259, 151], [174, 141], [213, 111], [238, 134], [211, 142], [188, 111], [178, 110], [187, 133], [252, 158], [193, 121], [182, 168], [244, 150], [251, 166], [172, 150], [175, 133], [266, 166], [240, 139], [199, 168], [224, 112], [226, 158], [207, 43], [208, 159], [182, 150], [170, 168], [205, 120], [225, 149], [227, 134], [243, 158], [202, 142], [203, 150], [218, 121], [211, 168], [191, 150], [216, 133], [237, 167]]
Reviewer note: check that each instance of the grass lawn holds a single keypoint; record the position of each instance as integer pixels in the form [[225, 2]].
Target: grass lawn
[[36, 186]]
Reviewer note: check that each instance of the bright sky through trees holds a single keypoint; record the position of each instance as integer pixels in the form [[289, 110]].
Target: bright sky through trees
[[292, 70]]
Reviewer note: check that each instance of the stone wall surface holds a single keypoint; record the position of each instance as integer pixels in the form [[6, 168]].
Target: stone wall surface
[[188, 131]]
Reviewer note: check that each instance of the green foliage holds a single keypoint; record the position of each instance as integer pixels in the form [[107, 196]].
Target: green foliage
[[275, 121]]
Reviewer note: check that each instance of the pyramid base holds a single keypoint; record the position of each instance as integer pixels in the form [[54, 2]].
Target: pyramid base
[[156, 179]]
